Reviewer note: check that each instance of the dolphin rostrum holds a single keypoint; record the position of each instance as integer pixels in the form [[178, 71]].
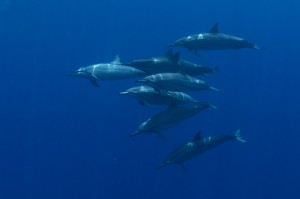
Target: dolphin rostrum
[[198, 145], [107, 71]]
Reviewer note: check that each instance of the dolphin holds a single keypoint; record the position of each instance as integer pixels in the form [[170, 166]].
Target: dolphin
[[147, 95], [176, 82], [213, 40], [196, 146], [171, 63], [107, 71], [170, 117]]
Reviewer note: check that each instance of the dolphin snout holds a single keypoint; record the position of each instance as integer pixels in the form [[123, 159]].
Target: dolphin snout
[[171, 45], [140, 80], [124, 93], [134, 133], [72, 74]]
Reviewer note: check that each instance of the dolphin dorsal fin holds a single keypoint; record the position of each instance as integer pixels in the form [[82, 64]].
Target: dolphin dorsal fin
[[214, 29], [116, 60], [169, 53], [197, 137]]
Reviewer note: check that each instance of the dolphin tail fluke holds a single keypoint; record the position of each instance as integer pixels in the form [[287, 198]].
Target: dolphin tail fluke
[[238, 136]]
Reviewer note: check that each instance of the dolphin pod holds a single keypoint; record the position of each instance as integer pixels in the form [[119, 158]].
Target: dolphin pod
[[166, 80]]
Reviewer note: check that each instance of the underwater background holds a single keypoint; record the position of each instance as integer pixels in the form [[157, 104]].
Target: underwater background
[[61, 137]]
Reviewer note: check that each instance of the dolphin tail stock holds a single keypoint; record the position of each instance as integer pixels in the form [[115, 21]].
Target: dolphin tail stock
[[238, 136]]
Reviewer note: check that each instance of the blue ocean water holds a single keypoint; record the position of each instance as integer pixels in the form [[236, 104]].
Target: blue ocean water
[[61, 137]]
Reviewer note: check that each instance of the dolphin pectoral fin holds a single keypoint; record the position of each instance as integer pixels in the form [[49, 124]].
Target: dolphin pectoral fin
[[94, 82], [143, 103], [238, 136], [161, 166], [195, 52], [183, 166], [158, 133], [172, 105], [214, 29]]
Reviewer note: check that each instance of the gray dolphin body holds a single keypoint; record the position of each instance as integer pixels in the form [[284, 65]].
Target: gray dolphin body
[[197, 146], [147, 95], [107, 71], [212, 40], [169, 118], [176, 82], [171, 63]]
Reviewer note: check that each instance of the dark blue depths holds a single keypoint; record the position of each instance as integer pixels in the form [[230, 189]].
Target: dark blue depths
[[61, 137]]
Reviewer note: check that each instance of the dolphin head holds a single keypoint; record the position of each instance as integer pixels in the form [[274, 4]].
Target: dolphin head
[[149, 80], [180, 43], [81, 72], [131, 91], [142, 129], [137, 90]]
